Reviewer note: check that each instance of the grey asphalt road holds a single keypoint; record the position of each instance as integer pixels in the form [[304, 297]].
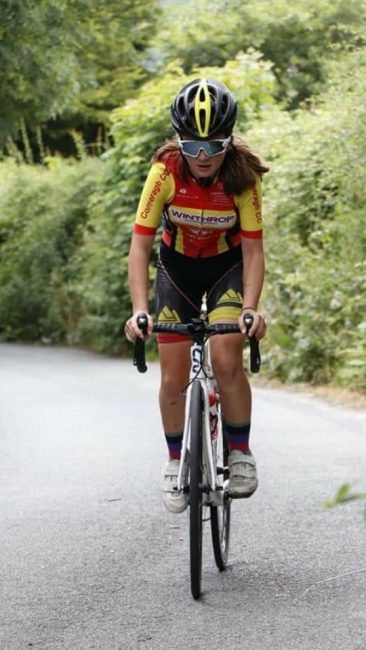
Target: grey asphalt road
[[89, 558]]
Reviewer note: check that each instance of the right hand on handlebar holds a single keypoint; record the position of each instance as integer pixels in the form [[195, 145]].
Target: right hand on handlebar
[[133, 331]]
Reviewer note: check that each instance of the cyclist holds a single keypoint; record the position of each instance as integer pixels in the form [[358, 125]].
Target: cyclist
[[205, 187]]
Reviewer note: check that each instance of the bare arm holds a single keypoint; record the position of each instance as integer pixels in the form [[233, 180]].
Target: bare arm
[[138, 279], [253, 278]]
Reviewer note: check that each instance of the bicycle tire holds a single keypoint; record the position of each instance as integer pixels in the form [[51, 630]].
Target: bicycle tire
[[220, 523], [195, 490]]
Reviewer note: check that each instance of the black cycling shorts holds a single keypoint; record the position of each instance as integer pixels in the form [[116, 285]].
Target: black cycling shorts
[[182, 281]]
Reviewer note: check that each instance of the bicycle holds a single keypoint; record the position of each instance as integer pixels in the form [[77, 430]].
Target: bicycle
[[203, 469]]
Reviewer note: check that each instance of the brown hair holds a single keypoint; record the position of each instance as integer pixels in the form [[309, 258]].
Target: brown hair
[[238, 171]]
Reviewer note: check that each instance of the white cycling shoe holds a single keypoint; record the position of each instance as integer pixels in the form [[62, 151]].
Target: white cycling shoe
[[173, 500], [243, 480]]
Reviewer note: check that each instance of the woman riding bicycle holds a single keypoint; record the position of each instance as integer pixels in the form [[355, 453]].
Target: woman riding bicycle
[[205, 186]]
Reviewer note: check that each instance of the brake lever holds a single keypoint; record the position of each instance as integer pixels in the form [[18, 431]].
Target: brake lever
[[255, 357], [139, 359]]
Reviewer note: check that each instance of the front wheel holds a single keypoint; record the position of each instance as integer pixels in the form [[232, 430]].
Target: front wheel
[[220, 516], [195, 489]]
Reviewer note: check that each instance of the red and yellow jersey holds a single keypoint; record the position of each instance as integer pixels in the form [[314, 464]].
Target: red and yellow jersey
[[197, 221]]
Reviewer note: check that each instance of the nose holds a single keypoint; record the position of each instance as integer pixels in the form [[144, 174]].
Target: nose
[[202, 155]]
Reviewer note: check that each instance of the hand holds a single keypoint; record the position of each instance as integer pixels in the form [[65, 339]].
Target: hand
[[132, 331], [259, 326]]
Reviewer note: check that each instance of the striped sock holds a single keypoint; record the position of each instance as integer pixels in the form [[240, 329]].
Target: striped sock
[[237, 436], [174, 442]]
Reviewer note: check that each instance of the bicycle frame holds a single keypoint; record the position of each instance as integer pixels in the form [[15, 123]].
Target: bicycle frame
[[202, 449], [201, 371]]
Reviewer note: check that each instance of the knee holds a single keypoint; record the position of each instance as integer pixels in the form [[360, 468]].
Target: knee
[[171, 386], [227, 370]]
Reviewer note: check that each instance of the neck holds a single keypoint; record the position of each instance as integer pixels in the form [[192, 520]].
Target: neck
[[205, 181]]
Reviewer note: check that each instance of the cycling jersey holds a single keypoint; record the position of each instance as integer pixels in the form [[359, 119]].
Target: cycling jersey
[[197, 221]]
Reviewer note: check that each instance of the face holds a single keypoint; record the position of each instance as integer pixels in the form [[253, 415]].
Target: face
[[205, 166]]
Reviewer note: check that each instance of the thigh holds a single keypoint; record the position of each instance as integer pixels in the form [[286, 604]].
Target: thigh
[[175, 363], [224, 305], [173, 304], [225, 297]]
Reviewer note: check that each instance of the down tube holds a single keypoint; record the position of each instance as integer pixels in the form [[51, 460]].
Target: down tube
[[207, 438], [185, 441]]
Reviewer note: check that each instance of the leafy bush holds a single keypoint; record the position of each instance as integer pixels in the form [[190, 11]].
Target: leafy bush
[[297, 38], [43, 213], [316, 238], [65, 230]]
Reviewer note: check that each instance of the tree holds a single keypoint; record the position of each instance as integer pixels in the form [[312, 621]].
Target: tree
[[61, 57], [298, 38]]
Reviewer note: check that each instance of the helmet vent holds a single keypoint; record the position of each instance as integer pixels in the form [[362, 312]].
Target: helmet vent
[[204, 108]]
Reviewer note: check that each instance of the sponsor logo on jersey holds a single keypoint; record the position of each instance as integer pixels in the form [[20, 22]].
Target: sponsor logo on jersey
[[154, 193], [230, 298], [168, 316], [257, 206], [202, 220], [219, 198]]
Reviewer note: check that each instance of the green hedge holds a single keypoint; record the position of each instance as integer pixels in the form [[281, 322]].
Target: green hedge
[[43, 217], [65, 229], [315, 202]]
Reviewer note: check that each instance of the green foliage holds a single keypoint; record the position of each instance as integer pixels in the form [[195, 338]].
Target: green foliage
[[43, 213], [316, 237], [60, 57], [65, 229], [344, 496], [140, 126], [118, 34], [297, 38], [39, 71]]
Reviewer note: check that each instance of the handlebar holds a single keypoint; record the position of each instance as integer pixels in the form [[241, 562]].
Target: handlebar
[[198, 330]]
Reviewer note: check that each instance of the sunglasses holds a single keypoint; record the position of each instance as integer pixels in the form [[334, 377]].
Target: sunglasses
[[210, 147]]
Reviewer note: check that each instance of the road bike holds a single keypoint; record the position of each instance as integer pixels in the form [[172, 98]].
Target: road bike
[[203, 470]]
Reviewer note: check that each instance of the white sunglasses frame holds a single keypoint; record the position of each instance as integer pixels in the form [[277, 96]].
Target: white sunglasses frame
[[225, 143]]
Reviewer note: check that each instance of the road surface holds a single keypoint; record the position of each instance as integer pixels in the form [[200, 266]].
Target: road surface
[[90, 559]]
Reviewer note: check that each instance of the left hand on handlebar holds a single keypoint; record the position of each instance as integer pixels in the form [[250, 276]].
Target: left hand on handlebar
[[259, 326]]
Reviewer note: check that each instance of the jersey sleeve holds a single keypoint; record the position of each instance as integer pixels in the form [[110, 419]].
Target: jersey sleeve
[[249, 204], [158, 190]]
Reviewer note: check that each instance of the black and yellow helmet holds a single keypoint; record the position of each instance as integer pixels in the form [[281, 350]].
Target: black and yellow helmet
[[204, 108]]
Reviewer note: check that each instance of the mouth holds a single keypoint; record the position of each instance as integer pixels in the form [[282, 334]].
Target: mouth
[[204, 167]]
